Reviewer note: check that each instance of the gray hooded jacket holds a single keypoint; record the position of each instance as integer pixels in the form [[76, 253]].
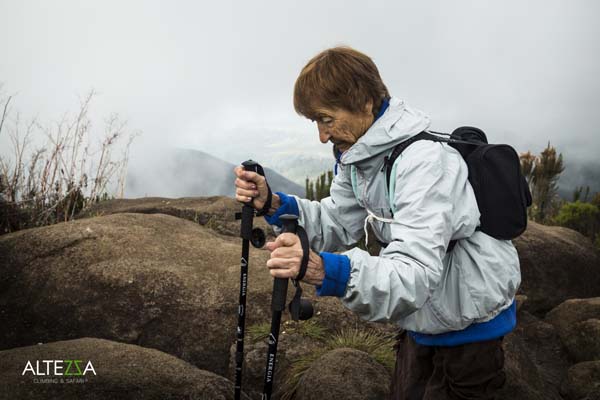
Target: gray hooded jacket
[[413, 282]]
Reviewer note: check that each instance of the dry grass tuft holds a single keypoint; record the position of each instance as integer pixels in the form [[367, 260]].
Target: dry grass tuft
[[376, 344], [54, 183]]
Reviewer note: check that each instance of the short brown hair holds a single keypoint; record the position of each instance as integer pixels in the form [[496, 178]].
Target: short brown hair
[[340, 77]]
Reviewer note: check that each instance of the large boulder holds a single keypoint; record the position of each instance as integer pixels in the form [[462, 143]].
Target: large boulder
[[294, 343], [556, 264], [216, 212], [584, 343], [170, 284], [118, 371], [578, 323], [152, 280], [344, 374], [535, 361], [583, 382]]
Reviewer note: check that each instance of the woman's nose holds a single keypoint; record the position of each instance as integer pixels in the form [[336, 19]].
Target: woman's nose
[[323, 135]]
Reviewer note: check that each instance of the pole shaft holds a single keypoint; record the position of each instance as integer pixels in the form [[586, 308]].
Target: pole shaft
[[272, 355], [278, 299], [246, 232]]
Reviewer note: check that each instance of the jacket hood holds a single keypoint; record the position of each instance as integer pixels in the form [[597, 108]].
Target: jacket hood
[[398, 123]]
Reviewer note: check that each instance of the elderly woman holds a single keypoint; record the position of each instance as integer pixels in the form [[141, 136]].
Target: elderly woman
[[453, 304]]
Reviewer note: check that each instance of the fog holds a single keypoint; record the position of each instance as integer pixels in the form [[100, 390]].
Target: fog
[[218, 76]]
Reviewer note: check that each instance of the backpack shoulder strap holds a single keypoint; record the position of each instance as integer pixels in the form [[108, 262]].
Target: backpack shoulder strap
[[389, 162], [390, 167]]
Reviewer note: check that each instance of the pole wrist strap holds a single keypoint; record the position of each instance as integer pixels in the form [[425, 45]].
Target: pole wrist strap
[[267, 206], [305, 252]]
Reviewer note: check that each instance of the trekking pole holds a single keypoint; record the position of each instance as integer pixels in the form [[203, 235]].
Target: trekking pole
[[301, 309], [257, 238]]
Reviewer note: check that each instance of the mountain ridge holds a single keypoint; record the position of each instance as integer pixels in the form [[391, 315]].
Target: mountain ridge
[[188, 172]]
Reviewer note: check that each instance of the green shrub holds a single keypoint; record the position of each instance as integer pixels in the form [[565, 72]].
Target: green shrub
[[582, 217]]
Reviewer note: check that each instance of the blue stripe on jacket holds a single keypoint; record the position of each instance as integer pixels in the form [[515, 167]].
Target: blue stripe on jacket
[[337, 273], [495, 328], [288, 205]]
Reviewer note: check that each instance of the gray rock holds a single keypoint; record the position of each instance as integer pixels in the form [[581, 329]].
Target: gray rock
[[578, 324], [583, 342], [122, 371], [344, 374], [535, 361], [153, 280], [290, 348], [216, 213], [556, 264], [583, 381]]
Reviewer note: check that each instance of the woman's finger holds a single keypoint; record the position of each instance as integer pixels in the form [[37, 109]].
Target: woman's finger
[[284, 263], [286, 252], [287, 239], [251, 176], [242, 184], [283, 273], [271, 246], [243, 199], [247, 193]]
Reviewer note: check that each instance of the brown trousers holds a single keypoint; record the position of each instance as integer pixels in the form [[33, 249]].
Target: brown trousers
[[469, 371]]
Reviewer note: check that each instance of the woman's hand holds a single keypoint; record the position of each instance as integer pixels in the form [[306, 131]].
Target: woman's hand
[[286, 258], [250, 186]]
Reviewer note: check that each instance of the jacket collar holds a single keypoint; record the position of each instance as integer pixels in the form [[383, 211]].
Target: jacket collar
[[398, 123]]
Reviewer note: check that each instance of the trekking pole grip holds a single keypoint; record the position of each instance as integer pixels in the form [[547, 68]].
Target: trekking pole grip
[[253, 166], [289, 224]]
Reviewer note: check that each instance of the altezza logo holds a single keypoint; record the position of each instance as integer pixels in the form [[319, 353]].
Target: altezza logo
[[58, 368]]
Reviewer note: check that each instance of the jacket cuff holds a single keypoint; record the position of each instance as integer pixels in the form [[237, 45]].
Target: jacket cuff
[[337, 274], [289, 205]]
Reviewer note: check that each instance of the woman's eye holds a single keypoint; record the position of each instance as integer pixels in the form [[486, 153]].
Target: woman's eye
[[326, 120]]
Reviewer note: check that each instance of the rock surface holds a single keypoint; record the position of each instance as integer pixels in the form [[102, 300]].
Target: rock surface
[[292, 345], [216, 213], [123, 371], [344, 374], [578, 323], [152, 280], [583, 381], [535, 360], [165, 283], [584, 342], [556, 264]]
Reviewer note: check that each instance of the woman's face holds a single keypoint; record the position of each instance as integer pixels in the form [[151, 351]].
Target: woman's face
[[342, 127]]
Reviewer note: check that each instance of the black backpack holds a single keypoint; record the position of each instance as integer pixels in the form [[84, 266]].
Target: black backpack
[[500, 188]]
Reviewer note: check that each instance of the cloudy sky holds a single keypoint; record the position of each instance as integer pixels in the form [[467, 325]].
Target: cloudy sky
[[218, 76]]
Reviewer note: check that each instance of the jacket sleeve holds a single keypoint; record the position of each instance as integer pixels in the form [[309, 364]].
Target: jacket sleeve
[[336, 222], [401, 279]]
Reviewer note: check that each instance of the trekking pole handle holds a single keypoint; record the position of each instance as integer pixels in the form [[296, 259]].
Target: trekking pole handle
[[253, 166], [290, 224]]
